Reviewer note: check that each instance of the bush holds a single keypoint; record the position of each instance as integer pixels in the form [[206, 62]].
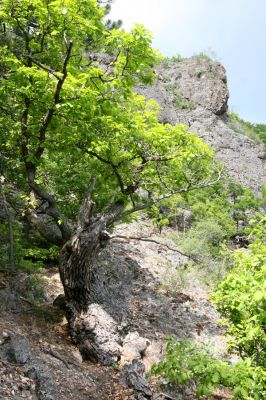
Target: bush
[[241, 298], [187, 362], [173, 279], [31, 251], [35, 288], [205, 243], [168, 62], [256, 132]]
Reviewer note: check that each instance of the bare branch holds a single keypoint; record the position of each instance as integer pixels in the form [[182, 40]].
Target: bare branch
[[144, 239], [187, 189], [45, 68], [49, 114], [124, 189], [86, 209]]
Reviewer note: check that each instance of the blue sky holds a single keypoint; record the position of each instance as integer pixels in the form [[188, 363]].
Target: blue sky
[[234, 30]]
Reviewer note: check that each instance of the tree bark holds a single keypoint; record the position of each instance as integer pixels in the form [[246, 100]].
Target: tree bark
[[78, 272], [77, 263]]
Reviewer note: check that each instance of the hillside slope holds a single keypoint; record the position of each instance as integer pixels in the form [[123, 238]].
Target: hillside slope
[[143, 297], [146, 292]]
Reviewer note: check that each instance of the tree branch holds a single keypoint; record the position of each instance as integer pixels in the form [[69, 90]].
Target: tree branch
[[86, 209], [187, 189], [144, 239], [45, 68], [126, 63], [52, 209], [49, 114], [124, 188]]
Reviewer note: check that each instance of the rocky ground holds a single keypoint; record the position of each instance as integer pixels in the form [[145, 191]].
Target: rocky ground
[[142, 292]]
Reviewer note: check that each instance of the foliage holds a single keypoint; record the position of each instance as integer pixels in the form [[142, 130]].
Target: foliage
[[211, 220], [204, 238], [226, 202], [4, 243], [241, 298], [30, 250], [168, 62], [35, 288], [206, 245], [173, 279], [186, 362], [158, 218], [182, 102], [203, 56], [177, 98], [256, 132], [262, 199], [69, 112]]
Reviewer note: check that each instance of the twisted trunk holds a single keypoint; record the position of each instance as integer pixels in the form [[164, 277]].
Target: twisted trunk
[[77, 263], [90, 327]]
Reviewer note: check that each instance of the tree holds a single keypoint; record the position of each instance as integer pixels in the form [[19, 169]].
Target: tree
[[69, 116]]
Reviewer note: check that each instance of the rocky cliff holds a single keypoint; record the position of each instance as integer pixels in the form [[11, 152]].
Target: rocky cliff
[[194, 92]]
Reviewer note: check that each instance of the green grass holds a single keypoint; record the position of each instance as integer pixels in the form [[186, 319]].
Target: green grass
[[256, 132]]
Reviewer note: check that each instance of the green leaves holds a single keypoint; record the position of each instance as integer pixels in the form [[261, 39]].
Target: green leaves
[[186, 361], [70, 110], [241, 298]]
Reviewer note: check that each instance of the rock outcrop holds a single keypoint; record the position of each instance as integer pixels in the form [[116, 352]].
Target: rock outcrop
[[194, 92]]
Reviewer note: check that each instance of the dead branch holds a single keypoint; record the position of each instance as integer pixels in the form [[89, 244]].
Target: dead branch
[[188, 188], [44, 67], [144, 239]]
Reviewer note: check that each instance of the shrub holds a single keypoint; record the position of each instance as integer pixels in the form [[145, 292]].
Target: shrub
[[256, 132], [205, 244], [173, 279], [186, 362], [35, 288], [31, 251], [241, 298]]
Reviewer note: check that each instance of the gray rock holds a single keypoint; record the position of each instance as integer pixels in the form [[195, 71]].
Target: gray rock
[[194, 92], [18, 351], [98, 335], [132, 375], [134, 347], [46, 388], [10, 300]]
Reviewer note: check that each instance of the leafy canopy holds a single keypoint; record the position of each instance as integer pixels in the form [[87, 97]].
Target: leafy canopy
[[68, 110]]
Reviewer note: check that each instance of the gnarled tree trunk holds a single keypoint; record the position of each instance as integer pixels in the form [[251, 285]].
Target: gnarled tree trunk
[[90, 327]]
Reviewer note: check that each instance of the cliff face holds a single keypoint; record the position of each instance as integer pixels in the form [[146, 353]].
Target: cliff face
[[194, 92]]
